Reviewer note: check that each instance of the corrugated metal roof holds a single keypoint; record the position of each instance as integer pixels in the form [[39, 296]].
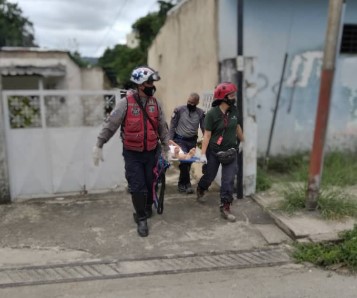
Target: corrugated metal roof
[[30, 49], [45, 71]]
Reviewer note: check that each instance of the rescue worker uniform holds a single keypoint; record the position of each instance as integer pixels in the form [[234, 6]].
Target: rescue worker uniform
[[140, 147], [217, 122], [185, 121], [219, 146]]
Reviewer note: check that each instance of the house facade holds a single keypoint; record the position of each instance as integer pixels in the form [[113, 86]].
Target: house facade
[[197, 48], [36, 68], [51, 112]]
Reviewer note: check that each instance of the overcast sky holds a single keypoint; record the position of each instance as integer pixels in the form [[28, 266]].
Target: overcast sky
[[88, 26]]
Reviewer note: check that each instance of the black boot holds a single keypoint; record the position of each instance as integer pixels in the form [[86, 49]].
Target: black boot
[[143, 229], [139, 203], [148, 207], [148, 211]]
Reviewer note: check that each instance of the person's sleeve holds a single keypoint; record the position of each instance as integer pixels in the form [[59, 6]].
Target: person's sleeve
[[208, 122], [173, 123], [163, 130], [112, 123], [202, 122]]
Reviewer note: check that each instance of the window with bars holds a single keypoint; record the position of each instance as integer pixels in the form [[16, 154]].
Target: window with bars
[[349, 39]]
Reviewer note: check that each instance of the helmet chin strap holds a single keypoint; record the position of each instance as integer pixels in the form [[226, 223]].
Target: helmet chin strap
[[140, 91]]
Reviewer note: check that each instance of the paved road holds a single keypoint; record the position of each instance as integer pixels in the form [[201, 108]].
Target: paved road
[[293, 281]]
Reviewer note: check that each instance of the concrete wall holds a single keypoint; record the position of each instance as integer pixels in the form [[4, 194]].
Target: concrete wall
[[93, 78], [76, 78], [273, 28], [185, 53]]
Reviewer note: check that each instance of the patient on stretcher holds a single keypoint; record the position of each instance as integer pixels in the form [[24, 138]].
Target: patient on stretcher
[[177, 153]]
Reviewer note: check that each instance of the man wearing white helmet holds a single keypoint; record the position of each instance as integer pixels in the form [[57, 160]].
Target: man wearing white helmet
[[143, 124]]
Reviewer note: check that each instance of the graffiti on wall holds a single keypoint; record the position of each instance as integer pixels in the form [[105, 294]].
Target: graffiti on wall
[[349, 84], [302, 67], [299, 96], [307, 66]]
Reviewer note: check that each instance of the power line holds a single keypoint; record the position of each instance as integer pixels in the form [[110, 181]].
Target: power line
[[111, 27]]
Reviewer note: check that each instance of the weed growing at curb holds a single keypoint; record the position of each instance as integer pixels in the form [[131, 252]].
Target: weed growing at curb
[[342, 254], [335, 204], [332, 203], [263, 180], [294, 199], [340, 169]]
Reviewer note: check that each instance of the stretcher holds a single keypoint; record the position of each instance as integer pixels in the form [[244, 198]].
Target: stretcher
[[190, 160], [159, 185]]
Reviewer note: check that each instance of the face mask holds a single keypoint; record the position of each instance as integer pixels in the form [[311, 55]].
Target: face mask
[[149, 91], [231, 101], [191, 108]]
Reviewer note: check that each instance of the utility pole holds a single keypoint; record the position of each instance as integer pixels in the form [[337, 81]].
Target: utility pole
[[240, 69], [4, 175], [323, 108]]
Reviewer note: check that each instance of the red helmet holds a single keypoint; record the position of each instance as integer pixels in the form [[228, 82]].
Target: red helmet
[[223, 89]]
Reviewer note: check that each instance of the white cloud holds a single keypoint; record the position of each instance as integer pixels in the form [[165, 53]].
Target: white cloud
[[89, 26]]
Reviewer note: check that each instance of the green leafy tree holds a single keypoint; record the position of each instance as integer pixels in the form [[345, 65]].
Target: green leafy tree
[[15, 29], [121, 60], [149, 26]]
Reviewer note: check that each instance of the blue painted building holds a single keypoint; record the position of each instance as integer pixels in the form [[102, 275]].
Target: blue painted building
[[276, 27]]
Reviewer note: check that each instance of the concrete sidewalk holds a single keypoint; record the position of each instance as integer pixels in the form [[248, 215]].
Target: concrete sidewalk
[[101, 226], [303, 226]]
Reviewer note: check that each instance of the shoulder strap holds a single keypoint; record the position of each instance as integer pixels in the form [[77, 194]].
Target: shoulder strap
[[144, 111]]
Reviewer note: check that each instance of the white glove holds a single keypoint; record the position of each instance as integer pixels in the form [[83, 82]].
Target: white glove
[[203, 158], [97, 155], [240, 147]]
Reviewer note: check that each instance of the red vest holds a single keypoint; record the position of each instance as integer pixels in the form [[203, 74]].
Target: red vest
[[139, 135]]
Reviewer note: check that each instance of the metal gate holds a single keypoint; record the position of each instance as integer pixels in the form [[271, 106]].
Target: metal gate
[[49, 141]]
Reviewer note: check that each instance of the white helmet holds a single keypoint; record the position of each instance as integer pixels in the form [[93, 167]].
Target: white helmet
[[143, 74]]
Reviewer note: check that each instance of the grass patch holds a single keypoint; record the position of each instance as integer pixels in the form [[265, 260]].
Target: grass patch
[[282, 164], [263, 182], [294, 199], [343, 254], [332, 204], [340, 169], [335, 204]]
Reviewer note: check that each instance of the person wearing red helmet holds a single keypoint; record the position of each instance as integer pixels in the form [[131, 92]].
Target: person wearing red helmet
[[220, 145], [143, 124]]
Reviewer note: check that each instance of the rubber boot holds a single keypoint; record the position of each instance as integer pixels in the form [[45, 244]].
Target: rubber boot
[[148, 208], [139, 203]]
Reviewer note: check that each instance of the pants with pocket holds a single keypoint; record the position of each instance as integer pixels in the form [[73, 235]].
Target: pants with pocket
[[227, 179]]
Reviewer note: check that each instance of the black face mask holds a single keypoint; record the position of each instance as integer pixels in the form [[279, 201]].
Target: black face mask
[[149, 91], [230, 102], [191, 108]]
